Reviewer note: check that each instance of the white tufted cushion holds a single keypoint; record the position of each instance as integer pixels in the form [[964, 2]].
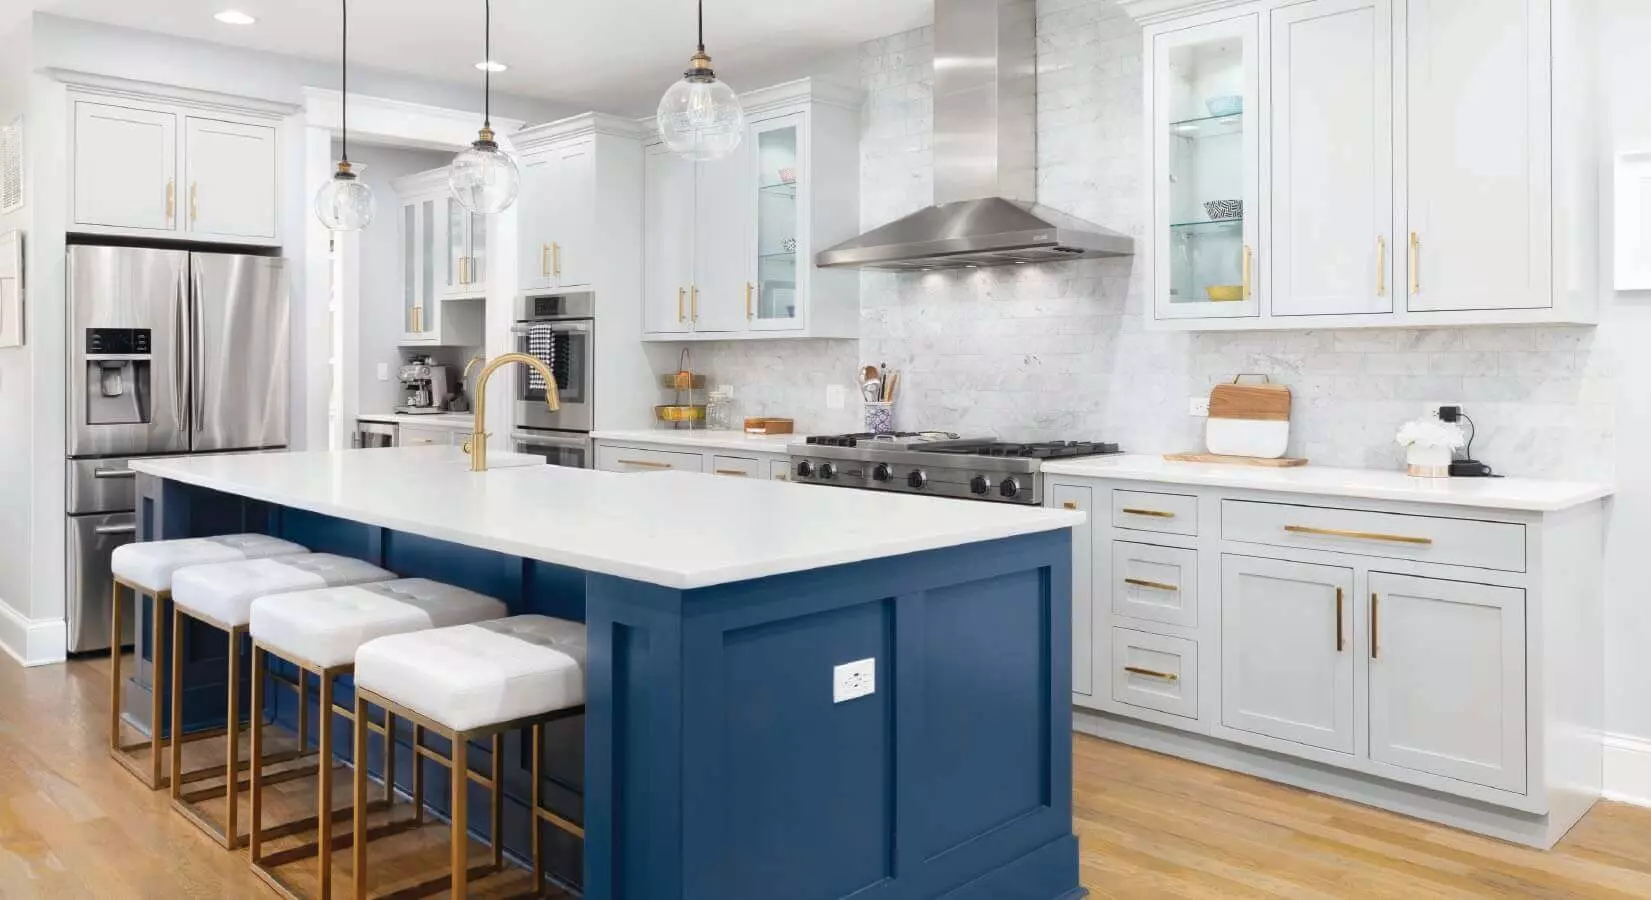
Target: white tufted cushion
[[470, 676], [326, 626], [225, 591], [151, 564]]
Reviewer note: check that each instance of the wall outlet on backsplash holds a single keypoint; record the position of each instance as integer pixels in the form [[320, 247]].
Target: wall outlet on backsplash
[[1433, 408], [835, 396], [1198, 406]]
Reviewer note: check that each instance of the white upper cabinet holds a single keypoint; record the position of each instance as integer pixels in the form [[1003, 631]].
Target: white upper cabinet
[[161, 169], [464, 270], [437, 309], [1478, 156], [231, 179], [729, 244], [1332, 173], [1411, 167], [557, 218], [125, 167]]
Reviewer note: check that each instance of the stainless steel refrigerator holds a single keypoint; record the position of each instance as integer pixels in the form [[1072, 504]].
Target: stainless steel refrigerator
[[170, 352]]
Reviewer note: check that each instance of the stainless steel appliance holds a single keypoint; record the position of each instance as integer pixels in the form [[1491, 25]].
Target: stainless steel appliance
[[935, 463], [560, 329], [573, 449], [170, 352], [376, 434], [427, 387]]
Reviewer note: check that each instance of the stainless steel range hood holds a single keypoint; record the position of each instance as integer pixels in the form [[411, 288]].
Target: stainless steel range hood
[[985, 158]]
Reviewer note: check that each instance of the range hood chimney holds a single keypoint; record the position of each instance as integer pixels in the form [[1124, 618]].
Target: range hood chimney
[[985, 158]]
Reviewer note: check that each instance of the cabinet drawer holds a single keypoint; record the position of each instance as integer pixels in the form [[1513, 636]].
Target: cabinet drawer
[[1155, 672], [1158, 584], [424, 436], [779, 470], [1456, 542], [1142, 511], [632, 459], [735, 467]]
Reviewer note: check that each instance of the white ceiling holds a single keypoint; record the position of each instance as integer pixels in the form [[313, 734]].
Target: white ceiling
[[615, 55]]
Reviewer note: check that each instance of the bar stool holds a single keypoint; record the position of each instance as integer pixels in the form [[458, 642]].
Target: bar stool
[[221, 595], [319, 631], [147, 568], [465, 683]]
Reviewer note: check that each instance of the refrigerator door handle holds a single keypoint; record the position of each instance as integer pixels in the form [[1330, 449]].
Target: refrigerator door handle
[[180, 351], [115, 529], [199, 409]]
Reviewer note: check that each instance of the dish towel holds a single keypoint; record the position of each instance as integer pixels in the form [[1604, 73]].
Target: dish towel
[[541, 344]]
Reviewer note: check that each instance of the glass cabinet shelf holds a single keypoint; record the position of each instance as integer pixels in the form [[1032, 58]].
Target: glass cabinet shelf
[[778, 255], [782, 189], [1207, 225], [1208, 126]]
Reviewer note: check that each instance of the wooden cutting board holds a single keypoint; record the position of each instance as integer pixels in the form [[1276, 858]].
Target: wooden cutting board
[[1283, 462], [1249, 420]]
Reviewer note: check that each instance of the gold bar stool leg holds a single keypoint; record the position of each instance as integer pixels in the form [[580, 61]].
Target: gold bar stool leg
[[177, 707], [156, 647], [418, 774], [303, 710], [358, 844], [323, 812], [256, 755], [461, 815], [497, 824], [232, 741], [389, 758], [533, 814]]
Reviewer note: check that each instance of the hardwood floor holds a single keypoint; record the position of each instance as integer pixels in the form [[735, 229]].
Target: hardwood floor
[[73, 824]]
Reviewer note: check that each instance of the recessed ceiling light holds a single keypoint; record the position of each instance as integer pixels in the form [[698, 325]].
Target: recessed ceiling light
[[234, 17], [491, 65]]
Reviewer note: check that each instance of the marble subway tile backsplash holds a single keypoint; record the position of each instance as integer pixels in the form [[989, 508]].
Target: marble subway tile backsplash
[[1060, 351]]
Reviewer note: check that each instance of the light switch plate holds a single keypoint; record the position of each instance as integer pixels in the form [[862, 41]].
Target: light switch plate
[[383, 371], [835, 396], [853, 680]]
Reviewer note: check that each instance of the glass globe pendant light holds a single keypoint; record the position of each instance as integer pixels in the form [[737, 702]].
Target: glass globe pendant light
[[700, 117], [344, 203], [483, 178]]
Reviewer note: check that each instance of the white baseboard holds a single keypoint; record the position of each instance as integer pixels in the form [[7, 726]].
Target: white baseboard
[[30, 642], [1627, 769]]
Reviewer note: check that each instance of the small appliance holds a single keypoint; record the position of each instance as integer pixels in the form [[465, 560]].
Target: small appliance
[[427, 386]]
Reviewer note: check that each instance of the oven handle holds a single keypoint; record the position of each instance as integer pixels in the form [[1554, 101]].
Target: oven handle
[[559, 327], [539, 440]]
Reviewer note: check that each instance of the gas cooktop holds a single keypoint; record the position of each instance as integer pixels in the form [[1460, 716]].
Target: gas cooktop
[[936, 463]]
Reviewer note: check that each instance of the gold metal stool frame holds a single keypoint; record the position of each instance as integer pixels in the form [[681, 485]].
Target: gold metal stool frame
[[126, 754], [325, 842], [460, 871], [189, 804]]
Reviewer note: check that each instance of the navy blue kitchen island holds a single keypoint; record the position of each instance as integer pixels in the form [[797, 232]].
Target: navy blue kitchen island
[[713, 762]]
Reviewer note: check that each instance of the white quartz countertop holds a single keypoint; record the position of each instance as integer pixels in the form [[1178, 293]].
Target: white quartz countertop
[[434, 420], [681, 530], [705, 440], [1526, 494]]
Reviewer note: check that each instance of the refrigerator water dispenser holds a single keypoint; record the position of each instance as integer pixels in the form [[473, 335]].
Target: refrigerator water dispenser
[[117, 376]]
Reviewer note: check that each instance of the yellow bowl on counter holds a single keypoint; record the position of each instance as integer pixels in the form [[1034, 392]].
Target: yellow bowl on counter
[[695, 413], [1225, 293]]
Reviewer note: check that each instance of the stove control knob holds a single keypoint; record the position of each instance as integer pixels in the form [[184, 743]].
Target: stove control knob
[[1009, 488], [827, 470], [917, 478], [805, 469], [882, 473], [979, 485]]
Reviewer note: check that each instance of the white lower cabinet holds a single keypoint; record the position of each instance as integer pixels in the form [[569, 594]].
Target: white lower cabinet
[[1447, 678], [1286, 669], [1441, 661], [636, 456]]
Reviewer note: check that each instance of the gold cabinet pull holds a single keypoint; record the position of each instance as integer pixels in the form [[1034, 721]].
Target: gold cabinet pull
[[681, 296], [748, 314], [1069, 504], [1152, 673], [544, 259], [693, 303], [1155, 585], [1381, 265], [1338, 620], [1155, 513], [1247, 267], [194, 206], [737, 473], [556, 259], [644, 464], [1375, 625], [1415, 263], [171, 199], [418, 319], [1358, 535]]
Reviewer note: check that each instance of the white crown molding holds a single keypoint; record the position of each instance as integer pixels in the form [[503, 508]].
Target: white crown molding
[[90, 84], [32, 643], [398, 122], [1148, 12], [574, 127]]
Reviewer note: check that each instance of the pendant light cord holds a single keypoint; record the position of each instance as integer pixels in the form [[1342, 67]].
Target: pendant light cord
[[344, 79], [487, 66], [702, 26]]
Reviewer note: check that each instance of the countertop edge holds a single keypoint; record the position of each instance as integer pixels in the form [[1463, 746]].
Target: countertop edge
[[776, 444]]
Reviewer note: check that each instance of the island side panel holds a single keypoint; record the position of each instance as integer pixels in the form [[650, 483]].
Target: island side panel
[[962, 750]]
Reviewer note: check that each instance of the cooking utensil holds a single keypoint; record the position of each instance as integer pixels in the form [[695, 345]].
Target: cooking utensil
[[1249, 420], [894, 385]]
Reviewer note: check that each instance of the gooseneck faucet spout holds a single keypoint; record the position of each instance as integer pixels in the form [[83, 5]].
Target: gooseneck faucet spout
[[476, 446]]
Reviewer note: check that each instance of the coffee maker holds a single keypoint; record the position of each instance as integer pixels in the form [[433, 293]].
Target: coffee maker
[[426, 387]]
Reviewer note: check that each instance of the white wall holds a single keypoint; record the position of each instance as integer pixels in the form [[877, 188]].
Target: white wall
[[16, 385]]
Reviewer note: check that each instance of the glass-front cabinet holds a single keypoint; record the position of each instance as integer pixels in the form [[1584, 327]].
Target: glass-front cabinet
[[778, 236], [1207, 170], [419, 255], [466, 267]]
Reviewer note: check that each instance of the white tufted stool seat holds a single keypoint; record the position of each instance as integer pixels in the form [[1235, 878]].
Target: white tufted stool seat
[[147, 567], [319, 631], [221, 595], [469, 682]]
